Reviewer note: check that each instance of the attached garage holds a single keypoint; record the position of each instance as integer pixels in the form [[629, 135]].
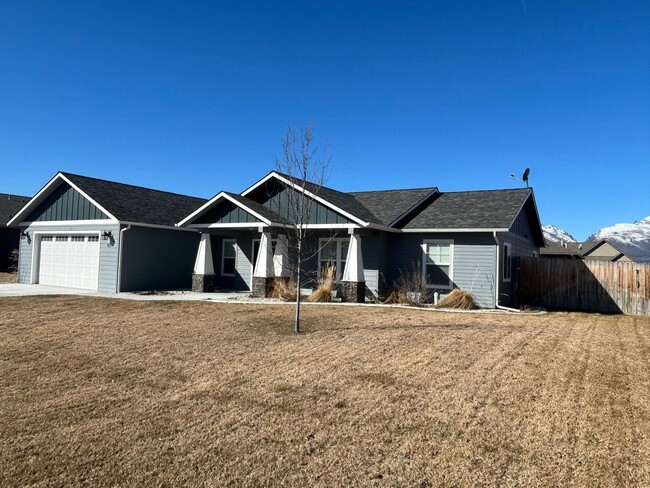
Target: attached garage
[[69, 260], [93, 234]]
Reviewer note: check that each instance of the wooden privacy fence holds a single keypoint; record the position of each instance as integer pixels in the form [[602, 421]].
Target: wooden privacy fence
[[590, 286]]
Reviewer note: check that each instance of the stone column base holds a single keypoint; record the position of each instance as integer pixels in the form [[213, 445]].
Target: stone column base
[[353, 291], [202, 283], [261, 287]]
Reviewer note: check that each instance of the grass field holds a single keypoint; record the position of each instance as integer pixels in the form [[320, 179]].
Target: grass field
[[103, 392]]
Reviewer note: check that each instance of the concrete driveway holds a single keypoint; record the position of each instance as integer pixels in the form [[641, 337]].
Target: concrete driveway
[[22, 290]]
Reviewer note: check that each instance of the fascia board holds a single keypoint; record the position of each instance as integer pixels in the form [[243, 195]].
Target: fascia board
[[321, 200], [46, 190], [213, 201]]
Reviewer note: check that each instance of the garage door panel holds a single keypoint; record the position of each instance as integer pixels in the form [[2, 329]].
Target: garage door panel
[[71, 261]]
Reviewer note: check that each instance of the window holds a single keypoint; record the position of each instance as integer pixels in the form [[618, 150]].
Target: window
[[438, 263], [93, 238], [61, 238], [228, 257], [46, 238], [332, 252], [77, 238], [507, 262]]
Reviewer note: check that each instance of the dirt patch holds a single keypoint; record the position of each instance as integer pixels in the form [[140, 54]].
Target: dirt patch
[[104, 392]]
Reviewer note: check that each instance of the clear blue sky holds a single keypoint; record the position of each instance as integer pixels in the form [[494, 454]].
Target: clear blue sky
[[194, 97]]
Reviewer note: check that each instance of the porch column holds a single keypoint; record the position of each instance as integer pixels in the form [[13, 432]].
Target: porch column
[[353, 281], [203, 276], [281, 257], [263, 273]]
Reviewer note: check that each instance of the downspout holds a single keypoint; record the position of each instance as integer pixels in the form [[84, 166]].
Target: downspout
[[496, 278], [119, 258]]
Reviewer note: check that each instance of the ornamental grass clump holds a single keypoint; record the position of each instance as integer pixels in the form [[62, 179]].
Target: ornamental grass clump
[[323, 293], [283, 289], [459, 299]]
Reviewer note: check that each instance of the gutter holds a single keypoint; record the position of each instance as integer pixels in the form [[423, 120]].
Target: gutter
[[496, 278], [119, 258]]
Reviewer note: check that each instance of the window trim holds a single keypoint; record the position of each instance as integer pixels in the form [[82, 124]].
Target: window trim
[[425, 244], [507, 262], [223, 256], [322, 242]]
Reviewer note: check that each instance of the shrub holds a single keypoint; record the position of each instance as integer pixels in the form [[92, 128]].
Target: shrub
[[410, 288], [13, 261]]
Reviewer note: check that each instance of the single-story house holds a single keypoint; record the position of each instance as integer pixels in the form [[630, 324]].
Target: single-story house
[[10, 205], [465, 239], [101, 235]]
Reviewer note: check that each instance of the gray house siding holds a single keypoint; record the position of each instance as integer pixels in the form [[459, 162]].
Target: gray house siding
[[473, 261], [65, 203], [226, 213], [157, 258], [521, 245], [276, 199], [108, 252], [243, 259]]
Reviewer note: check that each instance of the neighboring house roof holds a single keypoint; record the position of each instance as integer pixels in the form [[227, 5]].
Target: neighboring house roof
[[484, 209], [390, 206], [567, 249], [125, 203], [10, 205]]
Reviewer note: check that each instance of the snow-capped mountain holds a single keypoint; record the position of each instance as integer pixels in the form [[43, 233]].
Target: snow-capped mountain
[[632, 239], [555, 234]]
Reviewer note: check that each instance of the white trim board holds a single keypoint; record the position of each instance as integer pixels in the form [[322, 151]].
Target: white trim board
[[319, 199], [221, 195], [46, 190]]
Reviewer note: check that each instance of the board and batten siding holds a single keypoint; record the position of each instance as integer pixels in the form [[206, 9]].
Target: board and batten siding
[[227, 212], [108, 252], [65, 203]]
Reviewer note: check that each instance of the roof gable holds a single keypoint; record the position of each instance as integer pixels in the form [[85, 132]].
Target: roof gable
[[64, 203], [227, 208], [274, 196], [342, 204], [115, 201]]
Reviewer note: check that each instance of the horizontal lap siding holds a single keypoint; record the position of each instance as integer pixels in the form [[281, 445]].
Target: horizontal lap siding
[[370, 251], [474, 271], [243, 259], [473, 261], [108, 253]]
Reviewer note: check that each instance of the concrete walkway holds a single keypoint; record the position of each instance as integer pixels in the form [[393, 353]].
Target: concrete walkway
[[22, 290]]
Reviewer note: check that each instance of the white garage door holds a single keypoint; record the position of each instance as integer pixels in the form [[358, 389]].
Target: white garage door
[[69, 261]]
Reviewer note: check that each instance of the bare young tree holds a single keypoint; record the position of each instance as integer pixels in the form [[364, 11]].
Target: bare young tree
[[305, 164]]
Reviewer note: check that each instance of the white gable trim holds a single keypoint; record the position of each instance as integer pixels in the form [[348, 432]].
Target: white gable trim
[[321, 200], [220, 196], [46, 190]]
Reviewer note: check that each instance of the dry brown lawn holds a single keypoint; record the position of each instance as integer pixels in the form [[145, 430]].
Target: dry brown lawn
[[104, 392], [7, 277]]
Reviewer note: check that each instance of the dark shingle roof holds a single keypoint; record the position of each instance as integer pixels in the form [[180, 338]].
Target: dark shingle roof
[[485, 209], [10, 205], [344, 201], [258, 208], [128, 203], [389, 205]]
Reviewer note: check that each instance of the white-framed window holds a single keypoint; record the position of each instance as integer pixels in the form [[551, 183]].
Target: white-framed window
[[507, 262], [228, 257], [332, 252], [437, 265]]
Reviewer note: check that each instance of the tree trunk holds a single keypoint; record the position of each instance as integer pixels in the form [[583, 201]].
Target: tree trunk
[[299, 263]]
